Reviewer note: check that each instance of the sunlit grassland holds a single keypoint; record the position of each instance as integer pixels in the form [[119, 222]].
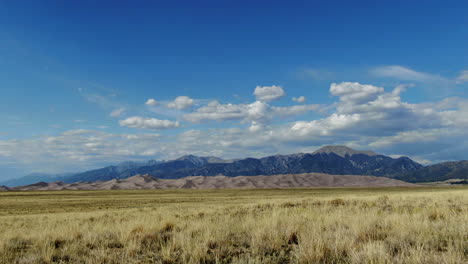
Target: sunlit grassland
[[336, 225]]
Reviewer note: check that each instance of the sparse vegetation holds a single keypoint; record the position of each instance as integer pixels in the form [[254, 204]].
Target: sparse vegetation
[[352, 225]]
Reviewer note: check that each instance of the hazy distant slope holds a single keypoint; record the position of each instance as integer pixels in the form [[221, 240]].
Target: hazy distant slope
[[128, 169], [437, 172], [36, 177], [221, 182]]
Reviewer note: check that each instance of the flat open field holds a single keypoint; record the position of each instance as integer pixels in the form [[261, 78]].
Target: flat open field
[[311, 225]]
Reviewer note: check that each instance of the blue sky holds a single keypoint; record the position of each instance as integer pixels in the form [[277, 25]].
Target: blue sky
[[75, 76]]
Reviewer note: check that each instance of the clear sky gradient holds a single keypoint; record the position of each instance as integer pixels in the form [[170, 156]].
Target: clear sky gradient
[[230, 79]]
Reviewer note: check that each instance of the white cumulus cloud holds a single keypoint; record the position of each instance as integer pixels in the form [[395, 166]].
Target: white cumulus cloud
[[258, 111], [354, 92], [268, 93], [325, 127], [217, 112], [148, 123], [300, 99], [181, 102], [151, 102]]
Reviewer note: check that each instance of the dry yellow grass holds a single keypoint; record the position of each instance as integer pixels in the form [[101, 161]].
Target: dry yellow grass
[[378, 225]]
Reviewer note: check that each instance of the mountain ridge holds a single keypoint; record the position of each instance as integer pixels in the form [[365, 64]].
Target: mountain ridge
[[334, 160], [438, 172]]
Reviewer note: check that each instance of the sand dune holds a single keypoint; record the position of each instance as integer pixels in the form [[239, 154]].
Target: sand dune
[[220, 182]]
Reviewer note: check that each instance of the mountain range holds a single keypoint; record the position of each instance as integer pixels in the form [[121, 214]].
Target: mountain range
[[334, 160]]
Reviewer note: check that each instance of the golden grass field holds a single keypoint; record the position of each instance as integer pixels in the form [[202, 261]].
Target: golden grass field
[[310, 225]]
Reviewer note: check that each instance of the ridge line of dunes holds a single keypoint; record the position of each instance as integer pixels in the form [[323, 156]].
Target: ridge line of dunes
[[222, 182]]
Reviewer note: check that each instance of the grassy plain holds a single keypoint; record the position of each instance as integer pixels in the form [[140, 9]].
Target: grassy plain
[[336, 225]]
